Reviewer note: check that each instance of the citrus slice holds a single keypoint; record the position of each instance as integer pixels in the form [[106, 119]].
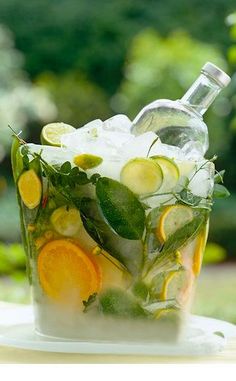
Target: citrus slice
[[87, 161], [142, 176], [66, 220], [30, 188], [52, 132], [199, 250], [167, 280], [170, 172], [173, 218], [66, 273]]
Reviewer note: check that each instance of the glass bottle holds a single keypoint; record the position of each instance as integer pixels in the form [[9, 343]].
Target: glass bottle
[[180, 123]]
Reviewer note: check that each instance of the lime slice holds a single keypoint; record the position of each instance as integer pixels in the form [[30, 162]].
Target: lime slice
[[142, 176], [170, 172], [87, 161], [66, 221], [173, 218], [52, 132]]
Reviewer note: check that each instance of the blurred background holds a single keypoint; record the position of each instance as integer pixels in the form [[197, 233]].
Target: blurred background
[[76, 61]]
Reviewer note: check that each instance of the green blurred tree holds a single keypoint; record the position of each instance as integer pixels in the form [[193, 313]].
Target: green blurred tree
[[94, 36], [21, 102], [78, 100], [160, 67]]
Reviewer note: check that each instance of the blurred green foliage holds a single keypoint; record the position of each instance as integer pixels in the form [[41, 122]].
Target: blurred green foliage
[[21, 102], [94, 36], [12, 259], [214, 253], [78, 100]]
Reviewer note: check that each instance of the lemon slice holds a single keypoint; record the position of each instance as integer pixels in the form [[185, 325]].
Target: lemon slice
[[170, 172], [142, 176], [173, 218], [199, 250], [30, 188], [66, 221], [52, 132]]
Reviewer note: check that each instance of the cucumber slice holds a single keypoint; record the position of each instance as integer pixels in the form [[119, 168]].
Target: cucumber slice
[[142, 176], [170, 172]]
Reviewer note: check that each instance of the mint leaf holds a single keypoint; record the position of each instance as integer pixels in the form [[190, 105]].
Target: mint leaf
[[220, 191], [121, 208], [66, 167], [188, 198]]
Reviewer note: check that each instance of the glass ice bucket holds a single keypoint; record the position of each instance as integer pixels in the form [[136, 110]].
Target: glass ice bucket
[[112, 257]]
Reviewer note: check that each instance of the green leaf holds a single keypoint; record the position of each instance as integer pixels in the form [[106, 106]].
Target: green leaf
[[140, 290], [118, 303], [66, 167], [94, 178], [128, 252], [188, 198], [183, 235], [219, 177], [121, 208], [25, 160], [14, 160], [220, 191]]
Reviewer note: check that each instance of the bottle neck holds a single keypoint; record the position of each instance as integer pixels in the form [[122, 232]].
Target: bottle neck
[[201, 94]]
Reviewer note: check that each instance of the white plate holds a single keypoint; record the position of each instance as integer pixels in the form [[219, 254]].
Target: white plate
[[17, 330]]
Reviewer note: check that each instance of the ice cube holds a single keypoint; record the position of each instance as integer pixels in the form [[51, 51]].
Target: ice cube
[[110, 168], [93, 139], [138, 146], [202, 182], [170, 151], [119, 123], [96, 123], [193, 150], [53, 155], [88, 132]]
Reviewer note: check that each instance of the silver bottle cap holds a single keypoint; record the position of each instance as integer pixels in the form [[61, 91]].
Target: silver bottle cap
[[216, 73]]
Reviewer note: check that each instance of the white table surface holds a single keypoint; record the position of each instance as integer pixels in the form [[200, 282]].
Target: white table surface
[[10, 355]]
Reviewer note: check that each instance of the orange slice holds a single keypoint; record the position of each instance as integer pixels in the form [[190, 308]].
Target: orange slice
[[199, 250], [66, 273], [173, 218], [30, 188]]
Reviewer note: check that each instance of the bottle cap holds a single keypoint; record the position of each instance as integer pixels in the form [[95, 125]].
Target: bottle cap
[[216, 73]]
